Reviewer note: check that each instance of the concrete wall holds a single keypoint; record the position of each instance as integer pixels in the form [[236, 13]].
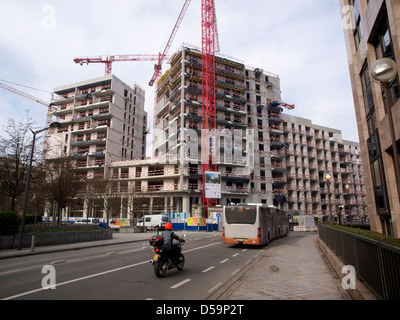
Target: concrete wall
[[53, 238]]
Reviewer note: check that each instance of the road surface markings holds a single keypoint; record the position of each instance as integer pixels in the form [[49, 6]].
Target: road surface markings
[[57, 262], [98, 274], [235, 255], [215, 287], [180, 283], [223, 261], [208, 245], [235, 272], [208, 269], [247, 262], [76, 280], [244, 250]]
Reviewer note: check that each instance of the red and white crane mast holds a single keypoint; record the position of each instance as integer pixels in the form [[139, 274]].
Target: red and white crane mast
[[208, 38]]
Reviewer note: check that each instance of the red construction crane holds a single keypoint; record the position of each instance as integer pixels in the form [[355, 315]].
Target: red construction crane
[[109, 59], [208, 40], [162, 57]]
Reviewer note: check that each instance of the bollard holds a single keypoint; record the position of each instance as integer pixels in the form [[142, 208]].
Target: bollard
[[33, 243]]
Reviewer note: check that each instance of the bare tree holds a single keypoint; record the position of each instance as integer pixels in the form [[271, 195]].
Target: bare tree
[[108, 190], [15, 148], [62, 182], [37, 196]]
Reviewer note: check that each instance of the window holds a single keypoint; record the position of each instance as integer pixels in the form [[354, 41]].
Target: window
[[358, 29], [367, 89], [384, 49]]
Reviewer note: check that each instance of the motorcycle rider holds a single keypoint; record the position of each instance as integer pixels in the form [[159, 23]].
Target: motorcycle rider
[[168, 236]]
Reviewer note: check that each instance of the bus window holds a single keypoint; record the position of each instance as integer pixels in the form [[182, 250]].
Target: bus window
[[241, 215]]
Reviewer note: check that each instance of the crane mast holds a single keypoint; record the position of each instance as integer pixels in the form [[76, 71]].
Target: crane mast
[[162, 57], [208, 35]]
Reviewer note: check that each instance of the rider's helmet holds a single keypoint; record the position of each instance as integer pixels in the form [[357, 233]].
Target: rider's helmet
[[168, 226]]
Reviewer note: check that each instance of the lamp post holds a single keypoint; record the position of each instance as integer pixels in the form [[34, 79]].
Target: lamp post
[[384, 71], [347, 187], [328, 178], [28, 178]]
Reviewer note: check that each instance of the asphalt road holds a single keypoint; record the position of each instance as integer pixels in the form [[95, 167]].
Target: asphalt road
[[123, 271]]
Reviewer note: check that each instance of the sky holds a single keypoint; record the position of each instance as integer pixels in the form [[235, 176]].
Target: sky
[[300, 40]]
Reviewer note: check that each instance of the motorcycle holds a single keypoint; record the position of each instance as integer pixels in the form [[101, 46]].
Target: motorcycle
[[161, 261]]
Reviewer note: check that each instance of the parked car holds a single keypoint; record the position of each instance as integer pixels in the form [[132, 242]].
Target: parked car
[[153, 221], [87, 220]]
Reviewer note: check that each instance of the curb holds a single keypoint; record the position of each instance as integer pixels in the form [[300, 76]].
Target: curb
[[77, 246]]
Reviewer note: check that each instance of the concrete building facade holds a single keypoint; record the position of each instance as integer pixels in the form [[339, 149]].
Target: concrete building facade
[[102, 120], [264, 155], [371, 31]]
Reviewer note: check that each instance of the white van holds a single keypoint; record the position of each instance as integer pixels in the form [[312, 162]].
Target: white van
[[153, 221], [87, 220]]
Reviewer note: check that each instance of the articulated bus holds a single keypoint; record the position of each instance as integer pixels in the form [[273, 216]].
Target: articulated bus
[[256, 224]]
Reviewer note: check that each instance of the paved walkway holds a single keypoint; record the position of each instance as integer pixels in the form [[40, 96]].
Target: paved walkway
[[291, 269]]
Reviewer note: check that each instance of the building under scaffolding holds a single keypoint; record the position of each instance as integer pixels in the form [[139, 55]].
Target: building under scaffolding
[[262, 154]]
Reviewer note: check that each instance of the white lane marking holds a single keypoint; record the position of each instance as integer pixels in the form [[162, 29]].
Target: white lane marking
[[208, 245], [94, 275], [215, 287], [57, 262], [247, 262], [223, 261], [235, 272], [208, 269], [244, 250], [76, 280], [180, 283], [235, 255]]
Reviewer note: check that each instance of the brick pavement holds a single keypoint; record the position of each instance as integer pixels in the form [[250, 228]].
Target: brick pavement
[[292, 269]]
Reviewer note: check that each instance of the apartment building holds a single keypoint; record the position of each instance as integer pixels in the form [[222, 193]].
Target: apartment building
[[263, 155], [324, 172], [102, 120], [371, 33]]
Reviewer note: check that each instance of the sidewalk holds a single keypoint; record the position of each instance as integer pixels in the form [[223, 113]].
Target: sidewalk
[[291, 268], [117, 238]]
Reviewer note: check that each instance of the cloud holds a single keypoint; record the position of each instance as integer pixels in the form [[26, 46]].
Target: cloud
[[302, 41]]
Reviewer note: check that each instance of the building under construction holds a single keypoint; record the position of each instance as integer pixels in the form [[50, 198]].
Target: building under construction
[[102, 120], [263, 155]]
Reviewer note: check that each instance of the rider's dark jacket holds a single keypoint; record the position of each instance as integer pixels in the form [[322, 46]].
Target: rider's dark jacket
[[168, 235]]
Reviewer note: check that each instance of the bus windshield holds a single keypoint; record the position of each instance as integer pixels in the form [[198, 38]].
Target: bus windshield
[[241, 215]]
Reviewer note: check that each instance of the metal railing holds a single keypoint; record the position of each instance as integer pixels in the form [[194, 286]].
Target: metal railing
[[377, 264]]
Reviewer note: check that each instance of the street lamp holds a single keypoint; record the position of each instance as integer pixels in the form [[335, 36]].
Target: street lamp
[[347, 187], [28, 178], [384, 71], [328, 178]]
